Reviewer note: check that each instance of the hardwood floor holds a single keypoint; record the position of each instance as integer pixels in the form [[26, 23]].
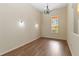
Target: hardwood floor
[[42, 47]]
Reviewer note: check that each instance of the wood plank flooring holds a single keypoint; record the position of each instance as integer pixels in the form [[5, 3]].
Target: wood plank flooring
[[42, 47]]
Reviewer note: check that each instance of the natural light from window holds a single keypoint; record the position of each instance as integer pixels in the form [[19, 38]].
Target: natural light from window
[[55, 24]]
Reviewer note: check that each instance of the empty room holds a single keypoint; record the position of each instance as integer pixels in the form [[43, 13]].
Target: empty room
[[39, 29]]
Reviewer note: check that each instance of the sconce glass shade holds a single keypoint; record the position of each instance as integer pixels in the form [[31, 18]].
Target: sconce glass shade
[[21, 23], [36, 25]]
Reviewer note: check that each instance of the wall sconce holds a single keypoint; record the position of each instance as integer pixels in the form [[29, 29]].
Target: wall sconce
[[36, 25], [21, 23]]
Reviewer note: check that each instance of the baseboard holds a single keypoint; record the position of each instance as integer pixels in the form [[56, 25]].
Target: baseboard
[[51, 38], [70, 48], [18, 47]]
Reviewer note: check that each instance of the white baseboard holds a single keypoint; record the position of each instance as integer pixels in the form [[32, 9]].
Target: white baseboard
[[53, 38], [17, 46], [70, 48]]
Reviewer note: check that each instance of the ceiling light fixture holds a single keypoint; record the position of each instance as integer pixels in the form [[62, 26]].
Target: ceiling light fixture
[[46, 9]]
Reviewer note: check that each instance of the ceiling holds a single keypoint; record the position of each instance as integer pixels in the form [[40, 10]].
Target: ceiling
[[40, 6]]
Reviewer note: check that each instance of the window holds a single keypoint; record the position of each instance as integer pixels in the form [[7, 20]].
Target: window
[[55, 24], [76, 17]]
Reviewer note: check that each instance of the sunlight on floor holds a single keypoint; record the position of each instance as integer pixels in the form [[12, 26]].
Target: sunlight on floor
[[54, 47]]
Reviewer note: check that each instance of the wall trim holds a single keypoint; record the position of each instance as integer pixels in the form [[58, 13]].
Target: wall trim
[[53, 38], [70, 47]]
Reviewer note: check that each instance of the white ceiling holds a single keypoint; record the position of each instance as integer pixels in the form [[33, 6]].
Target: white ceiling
[[40, 6]]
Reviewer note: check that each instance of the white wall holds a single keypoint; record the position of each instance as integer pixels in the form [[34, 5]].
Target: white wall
[[11, 34], [73, 39], [46, 24]]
